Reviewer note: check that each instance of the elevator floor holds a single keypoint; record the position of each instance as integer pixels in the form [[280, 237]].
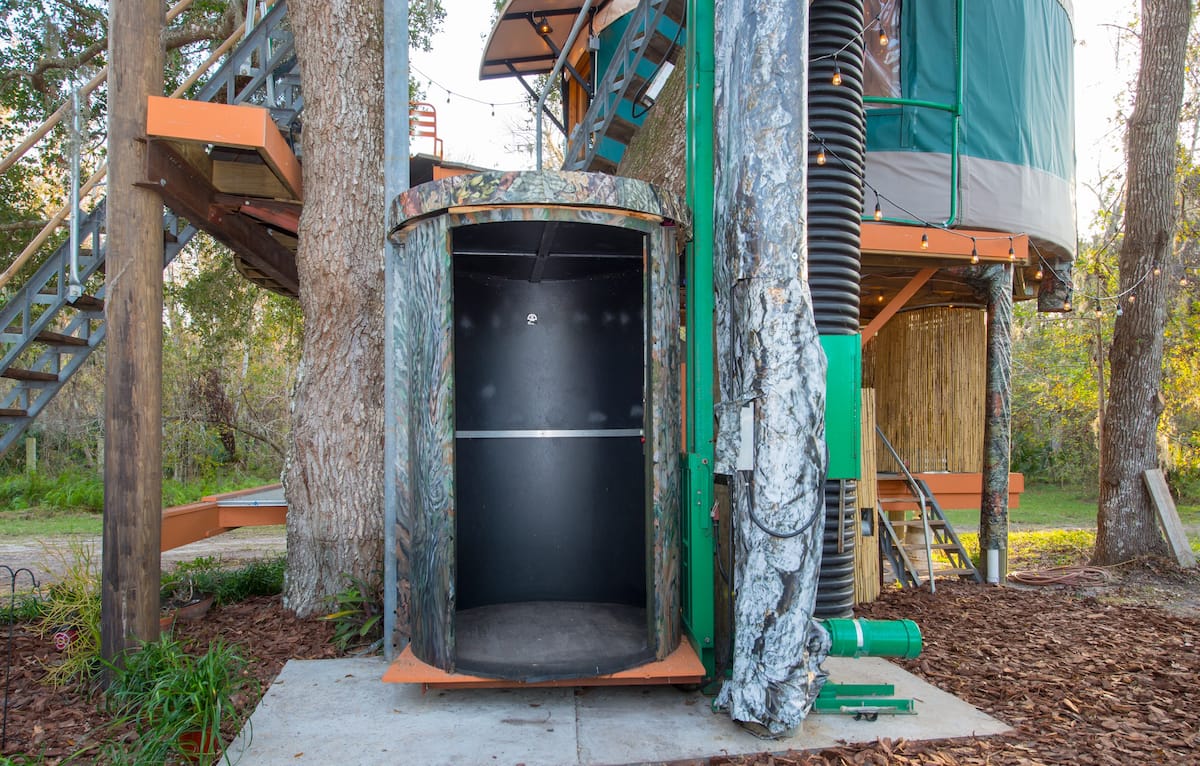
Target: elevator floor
[[546, 640]]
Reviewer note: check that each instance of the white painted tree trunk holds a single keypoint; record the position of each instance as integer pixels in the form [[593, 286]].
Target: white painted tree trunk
[[334, 475], [770, 359]]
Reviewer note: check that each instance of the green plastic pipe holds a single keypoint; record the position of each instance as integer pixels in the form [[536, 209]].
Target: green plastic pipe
[[874, 638]]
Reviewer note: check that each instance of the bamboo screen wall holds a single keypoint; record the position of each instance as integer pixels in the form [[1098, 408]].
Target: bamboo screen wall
[[866, 547], [927, 368]]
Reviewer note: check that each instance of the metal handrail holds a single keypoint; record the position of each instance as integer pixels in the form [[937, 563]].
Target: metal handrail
[[915, 487]]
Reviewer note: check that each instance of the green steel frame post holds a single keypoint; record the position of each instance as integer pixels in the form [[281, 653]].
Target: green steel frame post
[[698, 595]]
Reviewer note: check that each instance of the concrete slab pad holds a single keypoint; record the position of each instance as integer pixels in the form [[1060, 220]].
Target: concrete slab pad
[[339, 712]]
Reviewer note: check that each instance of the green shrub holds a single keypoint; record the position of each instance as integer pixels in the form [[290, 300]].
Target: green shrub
[[356, 616], [167, 693], [71, 617]]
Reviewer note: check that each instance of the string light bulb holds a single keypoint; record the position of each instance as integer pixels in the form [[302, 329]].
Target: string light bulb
[[924, 241], [878, 211], [1038, 274], [1132, 297], [821, 156], [543, 26], [1099, 311], [880, 298], [1157, 271], [1183, 281], [1066, 305], [1120, 312], [883, 38], [493, 106], [1012, 254], [837, 73], [974, 252]]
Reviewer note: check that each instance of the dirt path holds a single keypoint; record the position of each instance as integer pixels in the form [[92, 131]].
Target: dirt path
[[47, 557]]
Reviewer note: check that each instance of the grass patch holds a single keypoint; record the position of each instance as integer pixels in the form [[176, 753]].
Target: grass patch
[[1040, 548], [45, 522]]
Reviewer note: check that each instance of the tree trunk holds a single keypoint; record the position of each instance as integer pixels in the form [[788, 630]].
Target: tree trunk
[[334, 474], [1126, 523], [769, 359]]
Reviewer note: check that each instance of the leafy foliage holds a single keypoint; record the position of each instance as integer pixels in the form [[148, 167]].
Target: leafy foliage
[[71, 617], [356, 616], [263, 577], [168, 693]]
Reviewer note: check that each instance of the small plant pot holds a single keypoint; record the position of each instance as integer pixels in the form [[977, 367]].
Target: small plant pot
[[195, 745], [193, 610], [166, 622]]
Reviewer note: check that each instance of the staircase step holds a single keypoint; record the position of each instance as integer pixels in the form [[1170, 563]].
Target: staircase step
[[88, 303], [29, 376], [957, 571], [58, 339], [11, 413]]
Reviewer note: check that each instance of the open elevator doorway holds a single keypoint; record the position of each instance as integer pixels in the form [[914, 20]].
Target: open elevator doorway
[[552, 506]]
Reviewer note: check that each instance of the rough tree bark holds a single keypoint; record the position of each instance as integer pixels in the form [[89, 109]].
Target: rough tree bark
[[770, 359], [1126, 523], [334, 474]]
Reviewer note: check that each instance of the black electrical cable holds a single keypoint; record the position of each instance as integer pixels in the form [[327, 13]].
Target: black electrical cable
[[637, 97]]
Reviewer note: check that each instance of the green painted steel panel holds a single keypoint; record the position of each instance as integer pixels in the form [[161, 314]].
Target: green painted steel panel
[[843, 404]]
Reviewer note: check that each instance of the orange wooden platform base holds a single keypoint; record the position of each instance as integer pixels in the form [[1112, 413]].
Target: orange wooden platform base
[[682, 666]]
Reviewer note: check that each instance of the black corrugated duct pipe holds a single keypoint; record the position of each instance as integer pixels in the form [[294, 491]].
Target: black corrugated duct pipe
[[838, 130], [837, 127]]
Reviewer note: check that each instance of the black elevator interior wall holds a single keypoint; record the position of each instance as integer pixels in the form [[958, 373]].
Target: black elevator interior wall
[[549, 518], [556, 354]]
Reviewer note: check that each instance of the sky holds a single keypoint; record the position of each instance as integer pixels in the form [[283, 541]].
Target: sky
[[1105, 63]]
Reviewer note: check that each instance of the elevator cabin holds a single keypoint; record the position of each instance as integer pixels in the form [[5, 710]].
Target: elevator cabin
[[560, 378]]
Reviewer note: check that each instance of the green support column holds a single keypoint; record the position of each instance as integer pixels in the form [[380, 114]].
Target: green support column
[[698, 596]]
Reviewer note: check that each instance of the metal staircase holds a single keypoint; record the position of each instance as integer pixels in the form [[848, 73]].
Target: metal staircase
[[45, 334], [652, 34], [914, 563]]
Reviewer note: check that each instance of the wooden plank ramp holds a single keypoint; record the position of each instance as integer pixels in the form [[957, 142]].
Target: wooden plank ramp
[[1168, 517]]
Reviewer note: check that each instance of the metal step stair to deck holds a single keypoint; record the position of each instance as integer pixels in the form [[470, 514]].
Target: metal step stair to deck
[[912, 562], [47, 335], [598, 142]]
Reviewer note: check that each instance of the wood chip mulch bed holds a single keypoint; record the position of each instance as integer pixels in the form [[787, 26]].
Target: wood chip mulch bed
[[56, 723], [1081, 679]]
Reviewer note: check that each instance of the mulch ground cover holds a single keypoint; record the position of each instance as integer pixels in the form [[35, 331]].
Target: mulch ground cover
[[1084, 676], [56, 723]]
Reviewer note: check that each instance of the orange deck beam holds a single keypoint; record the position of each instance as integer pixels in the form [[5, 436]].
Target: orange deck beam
[[243, 127], [682, 666], [905, 240], [215, 515], [896, 303], [952, 490]]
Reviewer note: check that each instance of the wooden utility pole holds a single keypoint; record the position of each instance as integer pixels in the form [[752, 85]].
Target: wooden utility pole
[[133, 313]]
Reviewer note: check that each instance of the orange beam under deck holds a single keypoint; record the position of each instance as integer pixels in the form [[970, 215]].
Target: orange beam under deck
[[215, 515], [952, 490], [905, 240]]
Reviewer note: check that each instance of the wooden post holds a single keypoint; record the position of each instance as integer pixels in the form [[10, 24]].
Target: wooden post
[[996, 283], [30, 454], [133, 310]]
